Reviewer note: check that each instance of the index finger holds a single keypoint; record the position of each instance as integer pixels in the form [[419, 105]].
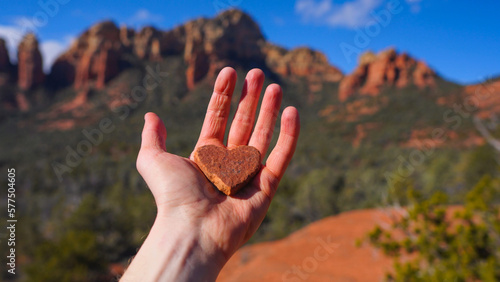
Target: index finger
[[214, 126]]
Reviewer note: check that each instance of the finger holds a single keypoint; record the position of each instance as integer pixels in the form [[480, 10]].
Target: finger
[[154, 134], [264, 129], [282, 153], [214, 126], [242, 125]]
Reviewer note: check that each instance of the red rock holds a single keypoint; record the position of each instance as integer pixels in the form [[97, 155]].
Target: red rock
[[385, 69], [172, 42], [228, 170], [6, 69], [143, 42], [127, 36], [106, 66], [352, 82], [5, 65], [194, 54], [231, 38], [301, 62], [30, 67], [92, 60], [423, 76], [322, 251]]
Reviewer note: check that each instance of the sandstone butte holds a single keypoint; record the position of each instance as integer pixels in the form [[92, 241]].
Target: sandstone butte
[[304, 250], [206, 45], [387, 68]]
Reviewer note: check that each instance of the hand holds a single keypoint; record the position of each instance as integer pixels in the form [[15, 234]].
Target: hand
[[197, 228]]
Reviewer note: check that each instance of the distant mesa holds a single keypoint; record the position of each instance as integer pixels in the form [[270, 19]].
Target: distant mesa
[[387, 68], [232, 38]]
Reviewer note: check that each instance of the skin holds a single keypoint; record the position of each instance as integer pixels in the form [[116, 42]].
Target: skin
[[197, 229]]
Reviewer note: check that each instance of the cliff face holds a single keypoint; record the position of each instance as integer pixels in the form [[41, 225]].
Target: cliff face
[[30, 67], [388, 68], [230, 38], [92, 59], [7, 79], [5, 65], [206, 46], [302, 62], [30, 71]]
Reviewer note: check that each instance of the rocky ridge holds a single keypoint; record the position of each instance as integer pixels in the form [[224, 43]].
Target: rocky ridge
[[387, 68], [206, 45]]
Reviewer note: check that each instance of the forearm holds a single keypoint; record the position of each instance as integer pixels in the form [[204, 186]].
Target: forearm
[[173, 252]]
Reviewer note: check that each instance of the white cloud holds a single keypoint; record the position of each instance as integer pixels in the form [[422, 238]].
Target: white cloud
[[351, 14], [12, 36], [50, 49], [310, 9], [414, 5], [144, 16]]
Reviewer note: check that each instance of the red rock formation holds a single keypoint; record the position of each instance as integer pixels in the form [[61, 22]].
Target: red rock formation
[[301, 62], [232, 38], [385, 69], [5, 65], [143, 43], [485, 97], [423, 76], [172, 42], [194, 53], [208, 45], [30, 68], [92, 59], [7, 80], [106, 65], [127, 36]]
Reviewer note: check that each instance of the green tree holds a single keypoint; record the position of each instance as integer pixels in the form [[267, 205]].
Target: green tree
[[463, 246]]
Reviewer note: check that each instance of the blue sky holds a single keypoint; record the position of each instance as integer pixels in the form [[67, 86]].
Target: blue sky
[[460, 39]]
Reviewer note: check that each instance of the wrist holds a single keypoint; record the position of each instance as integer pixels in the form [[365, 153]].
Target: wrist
[[175, 251]]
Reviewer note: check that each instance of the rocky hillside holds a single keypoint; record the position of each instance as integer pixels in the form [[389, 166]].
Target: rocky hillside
[[388, 68], [73, 136], [206, 45]]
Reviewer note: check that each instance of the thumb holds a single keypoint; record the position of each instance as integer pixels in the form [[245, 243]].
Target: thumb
[[154, 134]]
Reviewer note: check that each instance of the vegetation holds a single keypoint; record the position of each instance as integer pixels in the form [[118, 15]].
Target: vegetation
[[100, 210], [443, 243]]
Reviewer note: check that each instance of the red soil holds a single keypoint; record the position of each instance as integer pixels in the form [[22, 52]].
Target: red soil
[[323, 251]]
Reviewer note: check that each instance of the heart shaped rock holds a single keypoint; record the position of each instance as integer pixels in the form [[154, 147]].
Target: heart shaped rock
[[228, 170]]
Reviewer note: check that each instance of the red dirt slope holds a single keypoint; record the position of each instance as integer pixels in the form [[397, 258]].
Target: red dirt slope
[[322, 251]]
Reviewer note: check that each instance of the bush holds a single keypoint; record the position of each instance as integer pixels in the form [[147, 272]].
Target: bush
[[464, 246]]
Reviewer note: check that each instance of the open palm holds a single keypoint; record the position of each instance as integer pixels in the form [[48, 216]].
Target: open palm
[[182, 192]]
